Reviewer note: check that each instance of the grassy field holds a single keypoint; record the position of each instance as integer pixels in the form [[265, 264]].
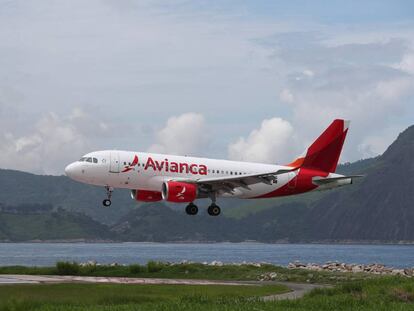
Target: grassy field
[[190, 271], [375, 294], [126, 297]]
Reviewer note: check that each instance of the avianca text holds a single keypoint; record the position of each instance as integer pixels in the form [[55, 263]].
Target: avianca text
[[175, 167]]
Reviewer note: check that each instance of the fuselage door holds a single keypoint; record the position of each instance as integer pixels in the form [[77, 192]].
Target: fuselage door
[[114, 162]]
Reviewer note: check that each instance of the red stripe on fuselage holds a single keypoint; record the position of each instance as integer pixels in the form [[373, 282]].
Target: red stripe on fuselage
[[301, 183]]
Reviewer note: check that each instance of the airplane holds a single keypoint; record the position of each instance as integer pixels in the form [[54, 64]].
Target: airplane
[[182, 179]]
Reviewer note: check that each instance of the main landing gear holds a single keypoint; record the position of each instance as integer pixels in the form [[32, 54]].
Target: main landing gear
[[107, 202], [213, 209], [191, 209]]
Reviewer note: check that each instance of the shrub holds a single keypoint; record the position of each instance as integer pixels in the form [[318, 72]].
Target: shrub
[[154, 266], [352, 288], [135, 269], [67, 268]]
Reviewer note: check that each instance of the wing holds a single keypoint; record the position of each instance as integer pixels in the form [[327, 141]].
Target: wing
[[228, 183]]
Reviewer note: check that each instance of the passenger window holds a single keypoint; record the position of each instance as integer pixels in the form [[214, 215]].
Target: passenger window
[[95, 160], [231, 173], [89, 160]]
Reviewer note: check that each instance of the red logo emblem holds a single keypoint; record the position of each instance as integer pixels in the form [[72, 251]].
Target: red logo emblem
[[131, 166]]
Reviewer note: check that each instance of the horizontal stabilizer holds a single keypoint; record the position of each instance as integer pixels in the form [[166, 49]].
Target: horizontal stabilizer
[[324, 181]]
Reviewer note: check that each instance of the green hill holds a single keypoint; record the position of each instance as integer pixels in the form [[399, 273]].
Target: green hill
[[379, 207], [43, 222], [24, 188]]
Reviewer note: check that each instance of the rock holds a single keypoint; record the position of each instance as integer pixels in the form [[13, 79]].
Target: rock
[[397, 272], [273, 275], [408, 272], [216, 263]]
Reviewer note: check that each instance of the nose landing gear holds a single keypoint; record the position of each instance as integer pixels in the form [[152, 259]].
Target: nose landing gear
[[107, 202]]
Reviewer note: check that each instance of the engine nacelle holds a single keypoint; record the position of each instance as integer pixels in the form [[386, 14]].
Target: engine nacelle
[[175, 191], [146, 195]]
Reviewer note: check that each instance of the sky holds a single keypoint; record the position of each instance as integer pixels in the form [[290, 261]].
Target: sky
[[241, 80]]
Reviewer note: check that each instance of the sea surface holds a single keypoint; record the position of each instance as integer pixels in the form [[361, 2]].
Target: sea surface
[[46, 254]]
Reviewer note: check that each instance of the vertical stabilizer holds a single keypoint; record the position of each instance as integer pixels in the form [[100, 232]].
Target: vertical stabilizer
[[323, 154]]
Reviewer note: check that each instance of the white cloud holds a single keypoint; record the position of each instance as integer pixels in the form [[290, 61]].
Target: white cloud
[[308, 73], [286, 96], [407, 63], [183, 135], [136, 63], [376, 144], [273, 142], [356, 81], [394, 90], [51, 144]]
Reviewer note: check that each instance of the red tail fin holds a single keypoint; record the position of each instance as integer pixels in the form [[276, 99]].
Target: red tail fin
[[323, 154]]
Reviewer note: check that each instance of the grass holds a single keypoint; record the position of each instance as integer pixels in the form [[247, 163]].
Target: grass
[[189, 271], [87, 296], [385, 293]]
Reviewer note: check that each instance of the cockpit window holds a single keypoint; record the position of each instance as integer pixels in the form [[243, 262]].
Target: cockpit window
[[88, 159]]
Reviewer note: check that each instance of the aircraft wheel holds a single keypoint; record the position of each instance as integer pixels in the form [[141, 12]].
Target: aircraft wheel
[[214, 210], [191, 209], [106, 202]]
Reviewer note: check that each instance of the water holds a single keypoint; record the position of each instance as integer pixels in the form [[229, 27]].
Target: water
[[46, 254]]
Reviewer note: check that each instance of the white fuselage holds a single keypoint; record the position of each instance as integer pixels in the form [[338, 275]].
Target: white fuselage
[[117, 169]]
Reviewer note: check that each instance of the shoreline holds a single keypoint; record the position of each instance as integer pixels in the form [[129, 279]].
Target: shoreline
[[322, 242]]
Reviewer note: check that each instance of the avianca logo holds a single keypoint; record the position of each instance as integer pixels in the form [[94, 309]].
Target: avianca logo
[[131, 166], [180, 195], [175, 167]]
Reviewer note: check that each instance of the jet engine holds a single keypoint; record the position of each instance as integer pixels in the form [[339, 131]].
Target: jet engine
[[146, 195], [175, 191]]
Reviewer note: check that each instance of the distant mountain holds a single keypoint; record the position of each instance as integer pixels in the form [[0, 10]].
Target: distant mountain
[[43, 222], [19, 188], [379, 207]]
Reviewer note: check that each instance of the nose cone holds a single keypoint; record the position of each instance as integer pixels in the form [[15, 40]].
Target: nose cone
[[71, 170]]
